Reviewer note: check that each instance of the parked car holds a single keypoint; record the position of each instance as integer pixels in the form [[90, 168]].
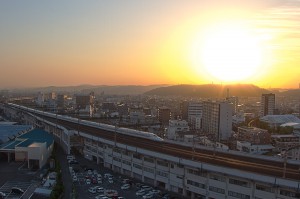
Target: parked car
[[100, 190], [140, 192], [148, 196], [108, 175], [2, 195], [146, 188], [125, 186], [70, 157], [75, 179], [92, 190], [17, 190], [110, 180], [88, 181], [100, 196]]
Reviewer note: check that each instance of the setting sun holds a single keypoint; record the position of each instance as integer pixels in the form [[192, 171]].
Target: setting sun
[[230, 53]]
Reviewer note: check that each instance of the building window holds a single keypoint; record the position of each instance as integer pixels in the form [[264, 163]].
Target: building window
[[137, 156], [147, 159], [137, 166], [289, 193], [148, 170], [196, 184], [126, 162], [217, 190], [238, 195], [163, 174], [162, 163], [197, 172], [264, 188], [217, 177], [239, 182]]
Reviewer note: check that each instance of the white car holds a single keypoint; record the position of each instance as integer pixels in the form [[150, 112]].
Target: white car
[[146, 188], [108, 175], [140, 192], [125, 186], [100, 189], [110, 180], [148, 196], [155, 191], [88, 181], [100, 196], [75, 179], [92, 190], [89, 172]]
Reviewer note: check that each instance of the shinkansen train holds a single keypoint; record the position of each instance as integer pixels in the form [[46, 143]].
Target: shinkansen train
[[102, 126]]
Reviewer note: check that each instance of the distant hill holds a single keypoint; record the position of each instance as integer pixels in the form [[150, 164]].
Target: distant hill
[[290, 93], [85, 89], [209, 90]]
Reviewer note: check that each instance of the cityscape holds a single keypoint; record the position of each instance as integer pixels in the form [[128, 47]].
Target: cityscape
[[150, 99]]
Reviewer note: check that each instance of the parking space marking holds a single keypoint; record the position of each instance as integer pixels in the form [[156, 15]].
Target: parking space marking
[[6, 188]]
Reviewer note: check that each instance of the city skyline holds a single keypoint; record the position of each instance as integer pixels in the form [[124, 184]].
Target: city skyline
[[152, 42]]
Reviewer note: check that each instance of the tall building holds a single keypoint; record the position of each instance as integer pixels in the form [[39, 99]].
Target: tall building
[[267, 104], [195, 114], [217, 119], [234, 101], [61, 99], [184, 105], [164, 115], [84, 100]]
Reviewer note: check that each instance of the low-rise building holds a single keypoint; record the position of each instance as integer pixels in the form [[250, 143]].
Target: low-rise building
[[176, 126], [254, 135], [284, 142], [34, 147], [248, 147]]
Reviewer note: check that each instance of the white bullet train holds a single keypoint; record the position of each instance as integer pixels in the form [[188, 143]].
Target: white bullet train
[[102, 126]]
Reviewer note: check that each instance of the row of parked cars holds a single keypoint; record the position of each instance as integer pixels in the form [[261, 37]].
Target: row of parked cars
[[93, 177]]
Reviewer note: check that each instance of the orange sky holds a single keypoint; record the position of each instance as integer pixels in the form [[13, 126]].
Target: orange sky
[[139, 42]]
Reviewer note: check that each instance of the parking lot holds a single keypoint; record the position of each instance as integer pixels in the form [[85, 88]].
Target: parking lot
[[84, 189], [14, 175]]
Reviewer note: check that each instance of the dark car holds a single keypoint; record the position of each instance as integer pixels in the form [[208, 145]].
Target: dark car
[[17, 190]]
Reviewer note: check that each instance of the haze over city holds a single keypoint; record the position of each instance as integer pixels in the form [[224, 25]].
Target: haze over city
[[59, 43]]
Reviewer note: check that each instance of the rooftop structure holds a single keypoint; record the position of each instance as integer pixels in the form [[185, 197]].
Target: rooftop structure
[[9, 131], [277, 120]]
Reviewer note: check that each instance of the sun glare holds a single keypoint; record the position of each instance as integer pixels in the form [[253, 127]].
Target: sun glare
[[230, 53]]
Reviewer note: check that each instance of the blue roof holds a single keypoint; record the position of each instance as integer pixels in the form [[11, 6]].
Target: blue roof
[[10, 144], [36, 135], [26, 139], [11, 131]]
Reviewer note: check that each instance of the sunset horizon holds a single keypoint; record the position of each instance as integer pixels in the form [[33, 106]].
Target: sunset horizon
[[150, 43]]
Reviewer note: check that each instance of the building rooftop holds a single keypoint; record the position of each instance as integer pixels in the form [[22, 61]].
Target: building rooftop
[[29, 138], [280, 119], [9, 131], [38, 135]]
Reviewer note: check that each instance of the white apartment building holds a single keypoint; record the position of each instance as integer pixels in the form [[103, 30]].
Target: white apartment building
[[195, 114], [217, 119], [234, 101], [176, 126]]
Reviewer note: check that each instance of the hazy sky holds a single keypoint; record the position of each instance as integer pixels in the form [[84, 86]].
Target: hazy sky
[[58, 42]]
